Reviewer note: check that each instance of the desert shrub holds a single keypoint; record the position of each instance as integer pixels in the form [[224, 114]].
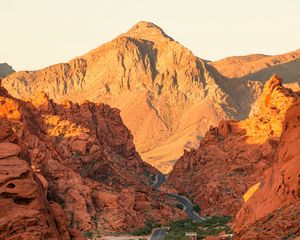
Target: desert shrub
[[196, 208], [180, 206], [88, 234], [212, 226], [147, 229]]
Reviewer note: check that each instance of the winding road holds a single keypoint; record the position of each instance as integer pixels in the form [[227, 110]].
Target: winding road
[[188, 205], [159, 180], [160, 233]]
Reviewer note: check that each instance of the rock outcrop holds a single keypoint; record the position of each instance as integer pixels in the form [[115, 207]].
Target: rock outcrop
[[83, 167], [25, 211], [5, 70], [167, 96], [274, 209], [233, 157]]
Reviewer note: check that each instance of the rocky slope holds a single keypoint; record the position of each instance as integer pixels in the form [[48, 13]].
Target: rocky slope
[[261, 67], [83, 158], [167, 96], [274, 209], [5, 70], [233, 156]]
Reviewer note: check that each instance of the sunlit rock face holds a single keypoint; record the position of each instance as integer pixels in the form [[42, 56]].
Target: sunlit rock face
[[235, 155], [273, 210], [82, 171], [168, 97], [25, 211]]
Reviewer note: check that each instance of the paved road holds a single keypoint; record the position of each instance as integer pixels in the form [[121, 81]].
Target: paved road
[[160, 233], [159, 180], [188, 207]]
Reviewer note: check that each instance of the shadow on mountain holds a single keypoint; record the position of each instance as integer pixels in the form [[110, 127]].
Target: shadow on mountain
[[289, 71]]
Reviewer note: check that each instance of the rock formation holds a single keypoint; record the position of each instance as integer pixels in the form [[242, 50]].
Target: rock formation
[[167, 96], [274, 209], [233, 156], [25, 211], [82, 171], [5, 70]]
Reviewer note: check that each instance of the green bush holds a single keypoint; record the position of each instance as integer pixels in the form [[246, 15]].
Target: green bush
[[95, 218], [147, 229], [209, 227], [88, 234], [180, 206], [196, 208]]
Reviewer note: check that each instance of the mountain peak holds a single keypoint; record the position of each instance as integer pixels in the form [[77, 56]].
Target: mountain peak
[[146, 30], [5, 70]]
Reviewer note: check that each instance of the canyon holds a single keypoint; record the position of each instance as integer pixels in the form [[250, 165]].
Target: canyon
[[81, 142], [70, 168]]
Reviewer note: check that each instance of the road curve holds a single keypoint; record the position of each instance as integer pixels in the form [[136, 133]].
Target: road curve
[[188, 207], [160, 233], [159, 180]]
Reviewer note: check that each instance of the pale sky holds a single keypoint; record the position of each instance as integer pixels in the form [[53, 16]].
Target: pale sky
[[38, 33]]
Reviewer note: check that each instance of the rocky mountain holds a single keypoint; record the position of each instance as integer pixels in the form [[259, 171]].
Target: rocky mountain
[[71, 168], [5, 70], [167, 96]]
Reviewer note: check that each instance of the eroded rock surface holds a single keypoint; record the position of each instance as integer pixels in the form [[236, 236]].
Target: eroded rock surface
[[83, 158], [233, 157], [274, 209], [25, 211]]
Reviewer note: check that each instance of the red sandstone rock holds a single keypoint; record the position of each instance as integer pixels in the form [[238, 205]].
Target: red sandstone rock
[[282, 223], [8, 149], [277, 202], [25, 212], [234, 156], [80, 155]]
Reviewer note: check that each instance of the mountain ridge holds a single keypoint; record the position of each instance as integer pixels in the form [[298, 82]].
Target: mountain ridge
[[168, 97]]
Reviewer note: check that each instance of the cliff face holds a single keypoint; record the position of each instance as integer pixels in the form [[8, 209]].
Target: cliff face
[[233, 157], [274, 209], [167, 96], [87, 166], [5, 70], [25, 211]]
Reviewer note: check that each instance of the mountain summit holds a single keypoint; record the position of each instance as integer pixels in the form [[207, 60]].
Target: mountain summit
[[168, 97], [146, 30]]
